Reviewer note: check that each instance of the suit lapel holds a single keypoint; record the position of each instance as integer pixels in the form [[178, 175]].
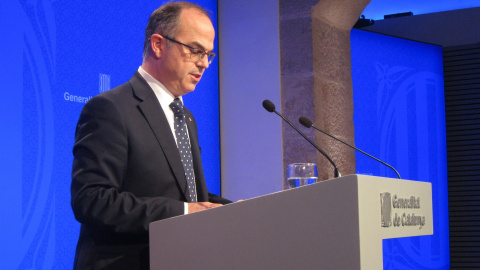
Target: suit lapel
[[153, 113]]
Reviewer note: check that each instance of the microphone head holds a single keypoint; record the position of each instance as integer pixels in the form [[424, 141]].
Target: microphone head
[[268, 105], [305, 122]]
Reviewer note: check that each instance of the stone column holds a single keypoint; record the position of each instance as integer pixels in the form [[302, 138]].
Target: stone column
[[316, 79], [332, 21], [296, 75]]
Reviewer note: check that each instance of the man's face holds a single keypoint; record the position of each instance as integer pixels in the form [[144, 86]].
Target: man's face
[[181, 73]]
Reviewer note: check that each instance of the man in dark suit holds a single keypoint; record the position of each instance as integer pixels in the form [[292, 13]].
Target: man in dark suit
[[127, 168]]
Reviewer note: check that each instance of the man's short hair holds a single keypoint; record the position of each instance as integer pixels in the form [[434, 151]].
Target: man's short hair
[[164, 21]]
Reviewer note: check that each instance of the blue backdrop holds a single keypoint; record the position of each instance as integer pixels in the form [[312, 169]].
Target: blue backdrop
[[55, 55], [399, 117]]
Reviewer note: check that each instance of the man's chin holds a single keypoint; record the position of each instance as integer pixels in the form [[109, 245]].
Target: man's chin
[[188, 90]]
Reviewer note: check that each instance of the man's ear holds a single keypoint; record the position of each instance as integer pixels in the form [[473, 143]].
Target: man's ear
[[157, 43]]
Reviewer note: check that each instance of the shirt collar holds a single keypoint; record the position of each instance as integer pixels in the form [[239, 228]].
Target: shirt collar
[[164, 96]]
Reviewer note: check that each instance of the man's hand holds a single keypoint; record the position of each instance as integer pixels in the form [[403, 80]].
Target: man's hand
[[199, 206]]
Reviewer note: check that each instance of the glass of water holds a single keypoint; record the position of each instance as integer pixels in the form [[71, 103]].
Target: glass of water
[[301, 174]]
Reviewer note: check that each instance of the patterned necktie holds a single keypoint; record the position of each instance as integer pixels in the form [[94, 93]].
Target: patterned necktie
[[183, 145]]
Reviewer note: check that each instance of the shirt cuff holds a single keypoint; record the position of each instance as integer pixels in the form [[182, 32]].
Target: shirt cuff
[[185, 209]]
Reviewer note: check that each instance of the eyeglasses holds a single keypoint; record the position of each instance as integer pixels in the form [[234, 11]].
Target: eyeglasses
[[196, 54]]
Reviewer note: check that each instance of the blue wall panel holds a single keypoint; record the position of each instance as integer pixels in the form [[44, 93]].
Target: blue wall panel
[[399, 117], [55, 56]]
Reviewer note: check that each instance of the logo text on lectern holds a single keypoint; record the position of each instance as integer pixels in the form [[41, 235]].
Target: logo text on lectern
[[394, 211]]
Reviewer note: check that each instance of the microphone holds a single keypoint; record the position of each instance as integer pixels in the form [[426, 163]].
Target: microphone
[[308, 124], [270, 107]]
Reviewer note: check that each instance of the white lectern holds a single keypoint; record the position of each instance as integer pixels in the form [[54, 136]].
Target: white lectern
[[334, 224]]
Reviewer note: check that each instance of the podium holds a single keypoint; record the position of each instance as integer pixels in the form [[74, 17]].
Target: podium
[[333, 224]]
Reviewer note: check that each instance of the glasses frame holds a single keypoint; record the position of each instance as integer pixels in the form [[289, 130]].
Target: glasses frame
[[195, 51]]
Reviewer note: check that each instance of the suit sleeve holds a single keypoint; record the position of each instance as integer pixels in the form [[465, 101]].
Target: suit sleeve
[[217, 199], [99, 168]]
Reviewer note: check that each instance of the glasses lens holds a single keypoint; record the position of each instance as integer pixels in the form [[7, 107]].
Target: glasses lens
[[199, 55], [210, 58]]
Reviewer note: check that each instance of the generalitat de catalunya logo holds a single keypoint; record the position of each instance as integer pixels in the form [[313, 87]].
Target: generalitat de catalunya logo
[[103, 82], [386, 209]]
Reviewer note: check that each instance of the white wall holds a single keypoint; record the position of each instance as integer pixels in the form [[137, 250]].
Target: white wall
[[251, 142], [377, 8]]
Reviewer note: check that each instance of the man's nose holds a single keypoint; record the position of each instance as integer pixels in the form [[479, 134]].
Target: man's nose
[[203, 62]]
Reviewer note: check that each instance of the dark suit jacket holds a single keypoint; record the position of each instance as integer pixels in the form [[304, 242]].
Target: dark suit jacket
[[127, 173]]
